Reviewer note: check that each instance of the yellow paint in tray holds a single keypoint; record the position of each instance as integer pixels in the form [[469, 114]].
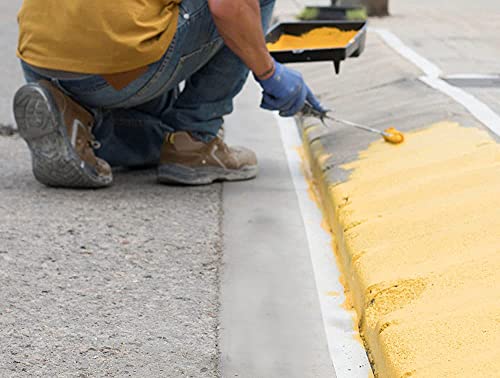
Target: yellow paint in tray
[[320, 38]]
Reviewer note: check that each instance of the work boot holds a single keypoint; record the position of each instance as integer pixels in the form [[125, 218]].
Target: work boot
[[185, 160], [58, 133]]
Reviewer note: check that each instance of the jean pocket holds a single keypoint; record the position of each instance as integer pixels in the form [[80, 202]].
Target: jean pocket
[[185, 67]]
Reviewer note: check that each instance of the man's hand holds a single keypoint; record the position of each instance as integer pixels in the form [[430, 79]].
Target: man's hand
[[287, 92]]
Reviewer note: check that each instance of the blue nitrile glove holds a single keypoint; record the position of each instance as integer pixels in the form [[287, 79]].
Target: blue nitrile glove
[[287, 92]]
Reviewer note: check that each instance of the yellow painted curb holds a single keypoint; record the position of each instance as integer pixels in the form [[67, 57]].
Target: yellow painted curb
[[417, 231]]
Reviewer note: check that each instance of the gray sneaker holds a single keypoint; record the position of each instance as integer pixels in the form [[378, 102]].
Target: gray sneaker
[[58, 133], [185, 160]]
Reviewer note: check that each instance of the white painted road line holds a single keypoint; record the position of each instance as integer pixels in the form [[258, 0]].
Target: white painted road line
[[347, 353], [427, 67], [482, 112], [471, 76]]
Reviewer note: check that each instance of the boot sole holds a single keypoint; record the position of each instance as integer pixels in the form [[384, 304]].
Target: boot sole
[[179, 174], [55, 162]]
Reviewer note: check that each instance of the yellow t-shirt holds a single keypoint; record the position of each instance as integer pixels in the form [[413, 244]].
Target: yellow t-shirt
[[95, 36]]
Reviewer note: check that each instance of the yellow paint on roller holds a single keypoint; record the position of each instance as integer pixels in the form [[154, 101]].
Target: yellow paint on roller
[[418, 237], [324, 37], [395, 137]]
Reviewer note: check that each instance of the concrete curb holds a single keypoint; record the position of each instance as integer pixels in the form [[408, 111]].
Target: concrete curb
[[317, 161], [404, 332]]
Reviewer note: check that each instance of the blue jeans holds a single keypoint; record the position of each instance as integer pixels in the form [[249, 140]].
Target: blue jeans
[[131, 123]]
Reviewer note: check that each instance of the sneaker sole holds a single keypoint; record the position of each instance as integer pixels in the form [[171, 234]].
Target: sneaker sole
[[179, 174], [55, 162]]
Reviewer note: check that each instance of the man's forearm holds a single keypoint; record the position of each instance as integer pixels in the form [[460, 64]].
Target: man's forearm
[[239, 24]]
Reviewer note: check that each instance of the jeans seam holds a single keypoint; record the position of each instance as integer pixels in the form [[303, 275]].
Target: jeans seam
[[177, 68]]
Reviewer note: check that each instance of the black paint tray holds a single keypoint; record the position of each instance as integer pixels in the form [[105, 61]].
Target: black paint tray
[[336, 55]]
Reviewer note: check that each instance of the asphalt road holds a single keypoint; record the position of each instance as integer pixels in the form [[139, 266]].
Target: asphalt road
[[115, 282], [125, 281], [118, 282]]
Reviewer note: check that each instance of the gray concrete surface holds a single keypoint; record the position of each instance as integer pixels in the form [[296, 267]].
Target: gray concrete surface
[[119, 282], [461, 36], [271, 323], [490, 96]]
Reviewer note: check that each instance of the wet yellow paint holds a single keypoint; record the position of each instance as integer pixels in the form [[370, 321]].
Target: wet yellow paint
[[325, 37], [418, 230]]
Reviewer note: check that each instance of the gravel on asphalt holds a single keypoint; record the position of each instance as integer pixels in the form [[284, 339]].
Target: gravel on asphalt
[[116, 282]]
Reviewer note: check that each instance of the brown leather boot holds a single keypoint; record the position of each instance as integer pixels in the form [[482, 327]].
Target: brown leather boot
[[58, 133], [185, 160]]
